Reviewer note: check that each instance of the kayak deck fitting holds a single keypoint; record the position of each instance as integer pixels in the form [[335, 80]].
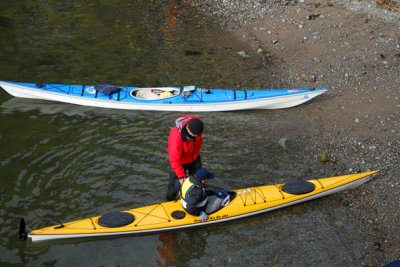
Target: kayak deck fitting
[[170, 216], [187, 98]]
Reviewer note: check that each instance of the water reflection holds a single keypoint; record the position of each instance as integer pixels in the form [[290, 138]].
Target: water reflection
[[62, 162], [143, 43]]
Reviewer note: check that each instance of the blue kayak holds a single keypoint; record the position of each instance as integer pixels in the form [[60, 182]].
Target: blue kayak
[[187, 98]]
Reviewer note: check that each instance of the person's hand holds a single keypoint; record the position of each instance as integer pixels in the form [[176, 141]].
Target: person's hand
[[181, 179], [203, 216]]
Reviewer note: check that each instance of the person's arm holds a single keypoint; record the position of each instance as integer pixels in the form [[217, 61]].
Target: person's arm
[[175, 149], [192, 199]]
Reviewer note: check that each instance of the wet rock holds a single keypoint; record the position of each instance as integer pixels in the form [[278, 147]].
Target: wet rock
[[192, 53], [313, 16], [4, 22]]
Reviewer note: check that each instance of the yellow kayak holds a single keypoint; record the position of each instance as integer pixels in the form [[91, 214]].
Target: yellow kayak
[[170, 216]]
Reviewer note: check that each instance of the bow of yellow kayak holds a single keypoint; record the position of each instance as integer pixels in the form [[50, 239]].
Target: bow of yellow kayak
[[169, 216]]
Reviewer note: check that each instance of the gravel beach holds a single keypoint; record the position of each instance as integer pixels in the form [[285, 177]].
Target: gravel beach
[[353, 49]]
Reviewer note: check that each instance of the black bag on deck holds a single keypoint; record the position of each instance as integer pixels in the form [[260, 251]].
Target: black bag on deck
[[107, 89]]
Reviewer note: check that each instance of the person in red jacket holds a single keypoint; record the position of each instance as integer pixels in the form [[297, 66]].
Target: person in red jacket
[[184, 144]]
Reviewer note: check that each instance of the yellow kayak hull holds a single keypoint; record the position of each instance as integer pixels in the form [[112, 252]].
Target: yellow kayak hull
[[158, 217]]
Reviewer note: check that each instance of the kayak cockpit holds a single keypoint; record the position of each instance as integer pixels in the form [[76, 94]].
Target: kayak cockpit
[[154, 93]]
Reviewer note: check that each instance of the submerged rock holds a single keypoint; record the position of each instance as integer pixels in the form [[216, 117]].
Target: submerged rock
[[4, 22]]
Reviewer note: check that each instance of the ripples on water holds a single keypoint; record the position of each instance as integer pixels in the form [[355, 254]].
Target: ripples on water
[[62, 162]]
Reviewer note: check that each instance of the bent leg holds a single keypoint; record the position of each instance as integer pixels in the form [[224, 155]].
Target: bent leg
[[174, 186]]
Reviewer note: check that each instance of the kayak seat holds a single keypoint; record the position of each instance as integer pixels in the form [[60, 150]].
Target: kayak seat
[[298, 187], [152, 94], [216, 202], [116, 219], [145, 95]]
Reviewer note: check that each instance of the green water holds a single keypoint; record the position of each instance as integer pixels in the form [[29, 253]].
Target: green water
[[125, 42], [61, 162]]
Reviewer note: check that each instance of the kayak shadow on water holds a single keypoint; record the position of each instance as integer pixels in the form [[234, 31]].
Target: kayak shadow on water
[[45, 107]]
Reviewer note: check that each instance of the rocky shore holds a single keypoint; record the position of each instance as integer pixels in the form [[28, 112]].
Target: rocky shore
[[353, 49]]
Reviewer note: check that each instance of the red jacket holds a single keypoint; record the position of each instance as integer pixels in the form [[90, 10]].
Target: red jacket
[[182, 152]]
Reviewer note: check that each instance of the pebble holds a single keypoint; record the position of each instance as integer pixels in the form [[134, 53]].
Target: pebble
[[323, 158], [282, 143], [243, 54], [339, 223]]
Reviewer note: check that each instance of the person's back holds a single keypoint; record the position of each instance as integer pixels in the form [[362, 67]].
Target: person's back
[[183, 147], [194, 194]]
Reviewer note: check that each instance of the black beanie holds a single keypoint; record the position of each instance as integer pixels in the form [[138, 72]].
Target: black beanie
[[196, 126]]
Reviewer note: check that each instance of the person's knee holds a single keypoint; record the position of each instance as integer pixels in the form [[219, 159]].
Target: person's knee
[[173, 190], [171, 195]]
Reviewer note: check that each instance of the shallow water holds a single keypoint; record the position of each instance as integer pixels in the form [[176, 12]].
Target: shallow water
[[61, 162]]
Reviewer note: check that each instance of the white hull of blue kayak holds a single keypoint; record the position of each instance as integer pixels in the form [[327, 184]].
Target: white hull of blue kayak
[[195, 100]]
